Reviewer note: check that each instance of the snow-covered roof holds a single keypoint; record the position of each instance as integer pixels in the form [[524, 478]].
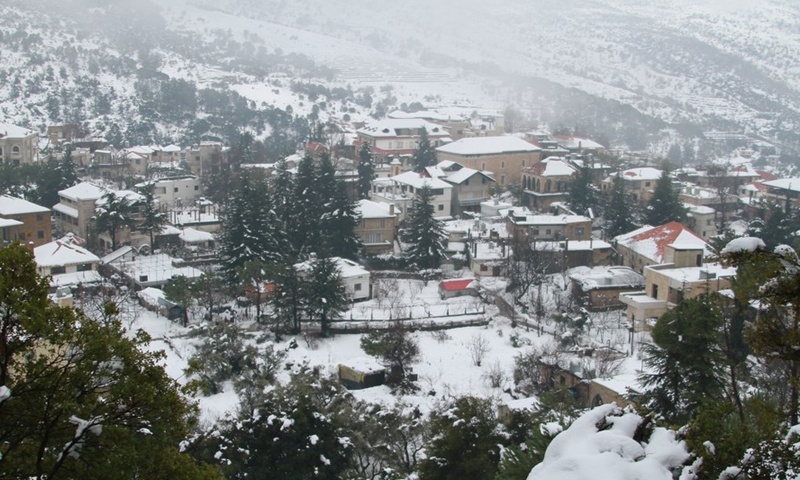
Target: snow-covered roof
[[457, 284], [370, 209], [61, 253], [9, 222], [608, 277], [156, 269], [16, 206], [489, 251], [66, 210], [171, 149], [394, 127], [488, 146], [552, 167], [13, 131], [571, 142], [76, 278], [190, 235], [650, 242], [685, 275], [423, 114], [548, 219], [699, 209], [83, 191], [116, 254], [459, 176], [129, 195], [416, 180], [792, 184], [644, 173], [347, 268]]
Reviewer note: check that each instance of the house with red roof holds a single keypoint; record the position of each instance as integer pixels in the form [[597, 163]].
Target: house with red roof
[[458, 287], [672, 242]]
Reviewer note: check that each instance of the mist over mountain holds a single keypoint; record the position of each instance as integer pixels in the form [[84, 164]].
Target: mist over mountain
[[620, 69]]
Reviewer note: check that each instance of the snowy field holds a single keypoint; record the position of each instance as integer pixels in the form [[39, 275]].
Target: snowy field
[[446, 367]]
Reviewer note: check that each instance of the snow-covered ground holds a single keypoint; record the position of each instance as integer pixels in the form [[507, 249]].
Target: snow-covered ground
[[446, 367]]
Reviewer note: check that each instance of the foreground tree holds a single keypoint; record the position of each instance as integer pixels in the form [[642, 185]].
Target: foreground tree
[[423, 233], [80, 398], [465, 442], [686, 361]]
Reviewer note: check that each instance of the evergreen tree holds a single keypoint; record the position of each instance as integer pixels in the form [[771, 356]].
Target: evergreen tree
[[325, 297], [618, 214], [366, 171], [665, 206], [283, 195], [81, 398], [775, 224], [179, 291], [674, 154], [288, 300], [112, 214], [339, 223], [306, 209], [686, 361], [465, 442], [423, 233], [295, 433], [425, 154], [153, 220], [396, 348], [583, 194]]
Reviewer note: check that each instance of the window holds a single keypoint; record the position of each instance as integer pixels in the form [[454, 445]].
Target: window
[[502, 179], [709, 222], [142, 278], [197, 187], [175, 190], [483, 180], [58, 270], [40, 234], [15, 149], [535, 232], [579, 230], [440, 207], [357, 287], [383, 223], [484, 267], [437, 191], [1, 151], [655, 291], [39, 217], [699, 260], [646, 184], [85, 267], [197, 158], [370, 238], [502, 164], [483, 166]]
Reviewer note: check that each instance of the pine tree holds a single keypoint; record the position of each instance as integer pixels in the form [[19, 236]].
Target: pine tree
[[686, 361], [583, 194], [81, 397], [665, 206], [465, 442], [152, 218], [366, 171], [423, 233], [307, 210], [425, 154], [396, 348], [339, 223], [618, 214], [288, 300], [324, 293], [283, 194]]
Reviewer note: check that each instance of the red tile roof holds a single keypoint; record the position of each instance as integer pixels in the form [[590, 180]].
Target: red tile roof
[[458, 284], [660, 237]]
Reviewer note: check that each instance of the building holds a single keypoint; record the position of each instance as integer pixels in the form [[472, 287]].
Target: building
[[127, 235], [378, 226], [702, 220], [66, 263], [175, 191], [401, 189], [579, 144], [667, 283], [36, 228], [143, 271], [547, 182], [205, 159], [355, 278], [529, 228], [18, 145], [488, 259], [599, 289], [505, 156], [75, 208], [470, 187], [668, 243], [458, 287], [399, 137], [639, 183]]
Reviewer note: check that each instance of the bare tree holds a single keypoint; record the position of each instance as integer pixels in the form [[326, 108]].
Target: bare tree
[[478, 347], [495, 375]]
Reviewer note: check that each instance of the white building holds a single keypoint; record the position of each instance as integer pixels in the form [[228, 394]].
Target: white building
[[176, 191], [66, 263], [355, 278], [401, 189]]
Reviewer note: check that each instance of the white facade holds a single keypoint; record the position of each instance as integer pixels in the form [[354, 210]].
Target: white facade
[[177, 191], [401, 189]]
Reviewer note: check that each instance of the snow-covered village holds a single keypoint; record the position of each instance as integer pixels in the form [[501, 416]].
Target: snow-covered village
[[262, 240]]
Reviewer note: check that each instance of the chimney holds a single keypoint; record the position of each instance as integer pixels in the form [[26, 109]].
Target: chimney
[[391, 209]]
